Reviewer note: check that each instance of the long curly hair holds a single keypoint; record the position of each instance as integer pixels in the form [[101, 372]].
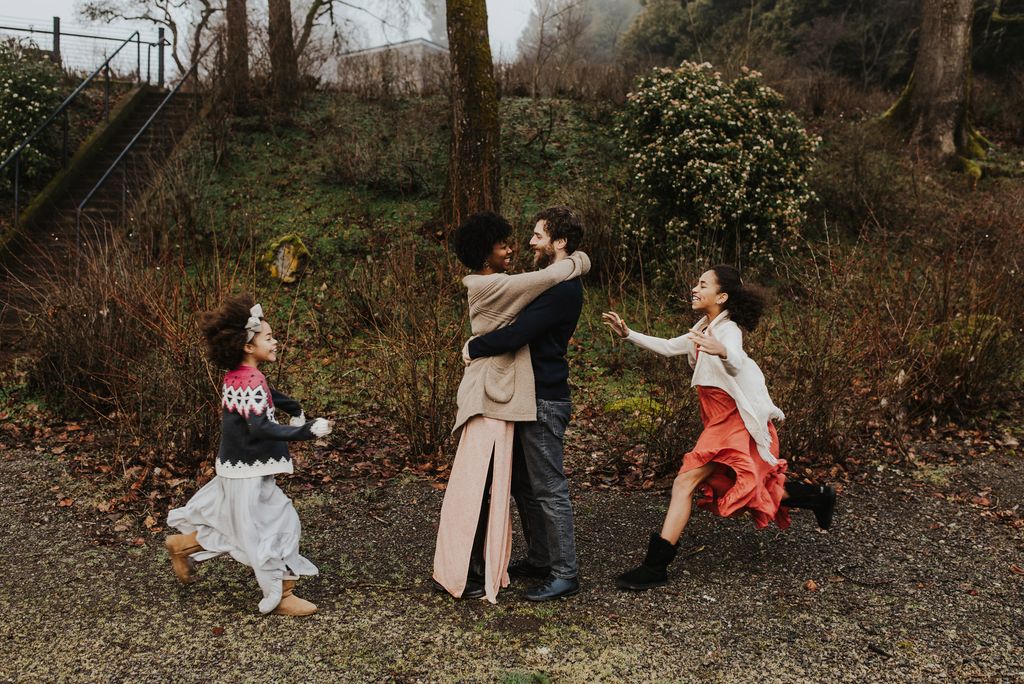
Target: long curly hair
[[224, 330], [746, 303]]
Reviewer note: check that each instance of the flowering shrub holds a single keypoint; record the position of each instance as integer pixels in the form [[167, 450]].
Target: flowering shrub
[[718, 169], [29, 91]]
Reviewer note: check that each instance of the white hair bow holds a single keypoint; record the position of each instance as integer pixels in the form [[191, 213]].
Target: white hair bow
[[255, 322]]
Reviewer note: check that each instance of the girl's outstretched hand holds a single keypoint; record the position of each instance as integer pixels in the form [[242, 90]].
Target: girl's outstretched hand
[[320, 427], [615, 322], [708, 344]]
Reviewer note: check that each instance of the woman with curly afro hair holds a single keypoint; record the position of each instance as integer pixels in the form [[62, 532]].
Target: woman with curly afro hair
[[735, 464]]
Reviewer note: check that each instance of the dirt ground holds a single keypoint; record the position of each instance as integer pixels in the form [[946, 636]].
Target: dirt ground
[[918, 581]]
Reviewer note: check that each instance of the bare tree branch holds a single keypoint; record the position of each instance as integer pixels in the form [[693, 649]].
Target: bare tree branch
[[320, 8], [161, 13]]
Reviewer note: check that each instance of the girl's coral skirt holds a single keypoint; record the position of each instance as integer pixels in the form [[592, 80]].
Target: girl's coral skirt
[[741, 481]]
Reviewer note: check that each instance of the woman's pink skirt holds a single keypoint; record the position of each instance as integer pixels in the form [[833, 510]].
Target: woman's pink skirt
[[460, 512]]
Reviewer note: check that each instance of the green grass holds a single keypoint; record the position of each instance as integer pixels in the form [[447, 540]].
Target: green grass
[[524, 678]]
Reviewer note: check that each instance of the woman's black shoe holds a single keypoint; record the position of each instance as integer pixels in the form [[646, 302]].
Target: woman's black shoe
[[524, 568], [474, 589], [654, 570]]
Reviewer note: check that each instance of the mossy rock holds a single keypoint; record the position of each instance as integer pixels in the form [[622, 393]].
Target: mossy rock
[[287, 258], [640, 414]]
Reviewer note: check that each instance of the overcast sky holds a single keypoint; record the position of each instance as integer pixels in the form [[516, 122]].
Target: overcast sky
[[506, 19]]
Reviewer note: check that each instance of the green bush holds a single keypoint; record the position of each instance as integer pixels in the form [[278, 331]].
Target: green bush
[[960, 365], [638, 415], [29, 91], [719, 170]]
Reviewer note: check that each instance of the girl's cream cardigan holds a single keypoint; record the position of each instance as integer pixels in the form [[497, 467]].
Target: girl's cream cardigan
[[737, 374]]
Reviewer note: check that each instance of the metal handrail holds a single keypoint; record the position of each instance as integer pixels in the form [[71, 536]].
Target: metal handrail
[[16, 154], [156, 112], [32, 29]]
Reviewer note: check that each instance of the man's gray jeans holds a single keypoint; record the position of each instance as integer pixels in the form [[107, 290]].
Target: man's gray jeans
[[541, 489]]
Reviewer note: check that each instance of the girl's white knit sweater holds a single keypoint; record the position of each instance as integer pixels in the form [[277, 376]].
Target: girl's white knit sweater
[[737, 374]]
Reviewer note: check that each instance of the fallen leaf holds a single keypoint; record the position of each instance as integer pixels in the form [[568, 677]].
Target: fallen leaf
[[149, 522], [1017, 569], [65, 502], [218, 631], [811, 585]]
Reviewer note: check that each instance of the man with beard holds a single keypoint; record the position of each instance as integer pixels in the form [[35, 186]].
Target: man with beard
[[539, 484]]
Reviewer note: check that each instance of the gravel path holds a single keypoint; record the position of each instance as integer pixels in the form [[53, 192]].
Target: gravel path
[[913, 584]]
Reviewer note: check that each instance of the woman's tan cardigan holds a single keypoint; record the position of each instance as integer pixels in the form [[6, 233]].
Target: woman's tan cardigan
[[502, 386]]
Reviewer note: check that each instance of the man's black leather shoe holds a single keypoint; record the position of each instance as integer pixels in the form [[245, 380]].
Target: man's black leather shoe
[[553, 588], [524, 568]]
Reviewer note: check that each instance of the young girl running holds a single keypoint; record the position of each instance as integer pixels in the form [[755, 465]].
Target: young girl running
[[735, 463], [242, 511]]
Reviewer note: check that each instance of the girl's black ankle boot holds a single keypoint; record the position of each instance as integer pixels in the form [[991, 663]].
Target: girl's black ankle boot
[[654, 570], [821, 499]]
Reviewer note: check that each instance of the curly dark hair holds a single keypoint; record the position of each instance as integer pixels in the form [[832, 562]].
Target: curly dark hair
[[476, 237], [224, 330], [746, 303], [562, 222]]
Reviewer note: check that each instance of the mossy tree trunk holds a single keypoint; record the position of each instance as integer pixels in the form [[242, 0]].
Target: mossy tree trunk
[[284, 63], [236, 68], [473, 164], [935, 106]]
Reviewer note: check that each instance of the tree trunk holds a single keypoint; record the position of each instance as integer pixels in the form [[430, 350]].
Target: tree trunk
[[284, 64], [236, 76], [473, 163], [936, 104]]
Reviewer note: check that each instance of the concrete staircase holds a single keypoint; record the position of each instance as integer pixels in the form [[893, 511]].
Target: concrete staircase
[[52, 243]]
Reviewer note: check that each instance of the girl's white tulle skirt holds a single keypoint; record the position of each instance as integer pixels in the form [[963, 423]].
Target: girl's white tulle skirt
[[254, 522]]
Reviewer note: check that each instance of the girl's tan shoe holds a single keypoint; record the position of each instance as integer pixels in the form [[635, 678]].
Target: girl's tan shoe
[[179, 547], [291, 604]]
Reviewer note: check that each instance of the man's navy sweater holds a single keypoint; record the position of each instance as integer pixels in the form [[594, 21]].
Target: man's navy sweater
[[546, 324]]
